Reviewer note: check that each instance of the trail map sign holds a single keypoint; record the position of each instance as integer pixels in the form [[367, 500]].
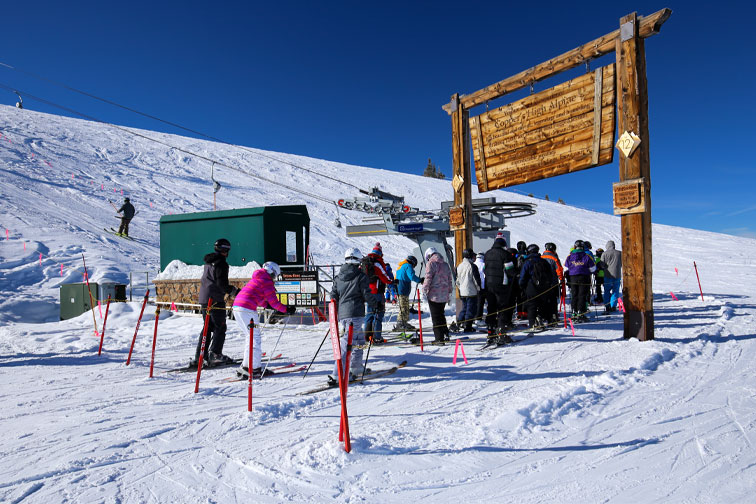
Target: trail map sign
[[567, 128], [298, 288]]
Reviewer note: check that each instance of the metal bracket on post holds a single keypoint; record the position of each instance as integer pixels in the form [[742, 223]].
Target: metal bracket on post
[[627, 31]]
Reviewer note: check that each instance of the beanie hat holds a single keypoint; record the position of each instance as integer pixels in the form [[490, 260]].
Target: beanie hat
[[377, 251]]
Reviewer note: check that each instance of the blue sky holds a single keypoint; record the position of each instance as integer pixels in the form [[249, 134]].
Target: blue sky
[[364, 82]]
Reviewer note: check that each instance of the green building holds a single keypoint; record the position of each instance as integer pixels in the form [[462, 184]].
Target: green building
[[274, 233]]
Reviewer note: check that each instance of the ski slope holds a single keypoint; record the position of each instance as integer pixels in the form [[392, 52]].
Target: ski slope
[[556, 418]]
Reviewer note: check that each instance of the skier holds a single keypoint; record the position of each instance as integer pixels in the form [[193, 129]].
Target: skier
[[405, 275], [260, 291], [612, 260], [468, 283], [390, 288], [351, 290], [128, 213], [599, 276], [537, 281], [214, 285], [550, 254], [374, 267], [500, 274], [437, 287], [480, 263], [517, 293], [580, 267]]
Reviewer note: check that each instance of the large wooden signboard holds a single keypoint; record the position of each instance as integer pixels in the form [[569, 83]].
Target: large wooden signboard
[[567, 128]]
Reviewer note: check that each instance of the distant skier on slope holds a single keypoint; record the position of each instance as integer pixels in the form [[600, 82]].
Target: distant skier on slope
[[128, 213], [260, 291], [214, 285]]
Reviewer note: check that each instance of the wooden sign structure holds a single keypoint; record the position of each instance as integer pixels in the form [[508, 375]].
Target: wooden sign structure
[[567, 128]]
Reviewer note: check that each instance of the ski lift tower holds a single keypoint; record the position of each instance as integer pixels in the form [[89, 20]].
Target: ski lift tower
[[389, 215]]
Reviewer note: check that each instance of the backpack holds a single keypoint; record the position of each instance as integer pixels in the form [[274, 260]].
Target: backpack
[[541, 274], [367, 266]]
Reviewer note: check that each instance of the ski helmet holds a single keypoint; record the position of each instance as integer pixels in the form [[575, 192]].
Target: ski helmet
[[578, 244], [430, 252], [352, 256], [468, 253], [126, 200], [272, 268], [412, 260], [222, 245], [550, 247], [533, 249], [587, 245]]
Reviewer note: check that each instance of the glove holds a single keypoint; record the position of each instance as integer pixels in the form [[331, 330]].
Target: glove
[[422, 279], [290, 310], [395, 282]]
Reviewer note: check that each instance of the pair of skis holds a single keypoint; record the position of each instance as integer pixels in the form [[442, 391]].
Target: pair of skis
[[235, 362], [381, 373]]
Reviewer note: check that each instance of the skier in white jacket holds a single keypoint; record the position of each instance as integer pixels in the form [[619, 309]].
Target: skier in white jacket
[[468, 282]]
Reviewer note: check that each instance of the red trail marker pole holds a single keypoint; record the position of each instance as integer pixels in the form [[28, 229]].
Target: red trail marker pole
[[154, 339], [344, 424], [202, 348], [699, 280], [139, 321], [102, 334], [345, 381], [420, 319], [249, 366]]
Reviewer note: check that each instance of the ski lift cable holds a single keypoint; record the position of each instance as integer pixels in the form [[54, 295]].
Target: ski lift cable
[[166, 144], [175, 125]]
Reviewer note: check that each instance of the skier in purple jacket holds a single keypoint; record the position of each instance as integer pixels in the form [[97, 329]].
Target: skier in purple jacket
[[580, 266]]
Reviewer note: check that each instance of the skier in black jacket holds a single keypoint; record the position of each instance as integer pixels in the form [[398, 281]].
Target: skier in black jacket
[[214, 285], [128, 213], [538, 282], [499, 268]]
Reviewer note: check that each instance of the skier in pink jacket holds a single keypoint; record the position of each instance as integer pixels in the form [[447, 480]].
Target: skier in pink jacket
[[260, 291]]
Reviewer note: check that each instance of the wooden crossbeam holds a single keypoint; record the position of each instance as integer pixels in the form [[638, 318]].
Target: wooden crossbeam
[[647, 26]]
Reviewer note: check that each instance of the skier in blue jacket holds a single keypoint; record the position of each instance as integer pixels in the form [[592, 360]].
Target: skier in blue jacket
[[405, 275]]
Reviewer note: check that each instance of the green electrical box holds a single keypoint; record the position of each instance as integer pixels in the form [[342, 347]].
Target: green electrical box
[[273, 233], [74, 297]]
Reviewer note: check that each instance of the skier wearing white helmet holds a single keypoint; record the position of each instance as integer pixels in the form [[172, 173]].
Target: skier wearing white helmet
[[351, 290], [260, 291]]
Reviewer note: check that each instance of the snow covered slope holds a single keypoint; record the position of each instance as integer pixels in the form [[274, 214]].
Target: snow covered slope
[[553, 419]]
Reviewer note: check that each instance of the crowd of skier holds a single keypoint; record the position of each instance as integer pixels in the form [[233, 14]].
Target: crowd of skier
[[496, 288]]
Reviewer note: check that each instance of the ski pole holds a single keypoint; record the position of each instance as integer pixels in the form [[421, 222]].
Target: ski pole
[[249, 366], [102, 334], [274, 348], [316, 353], [699, 280], [91, 299], [367, 357], [202, 346], [139, 321], [154, 338]]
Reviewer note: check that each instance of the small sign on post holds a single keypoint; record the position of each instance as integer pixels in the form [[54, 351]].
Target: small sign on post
[[629, 197]]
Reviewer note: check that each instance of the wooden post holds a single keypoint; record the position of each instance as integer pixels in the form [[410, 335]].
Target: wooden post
[[461, 176], [632, 105]]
